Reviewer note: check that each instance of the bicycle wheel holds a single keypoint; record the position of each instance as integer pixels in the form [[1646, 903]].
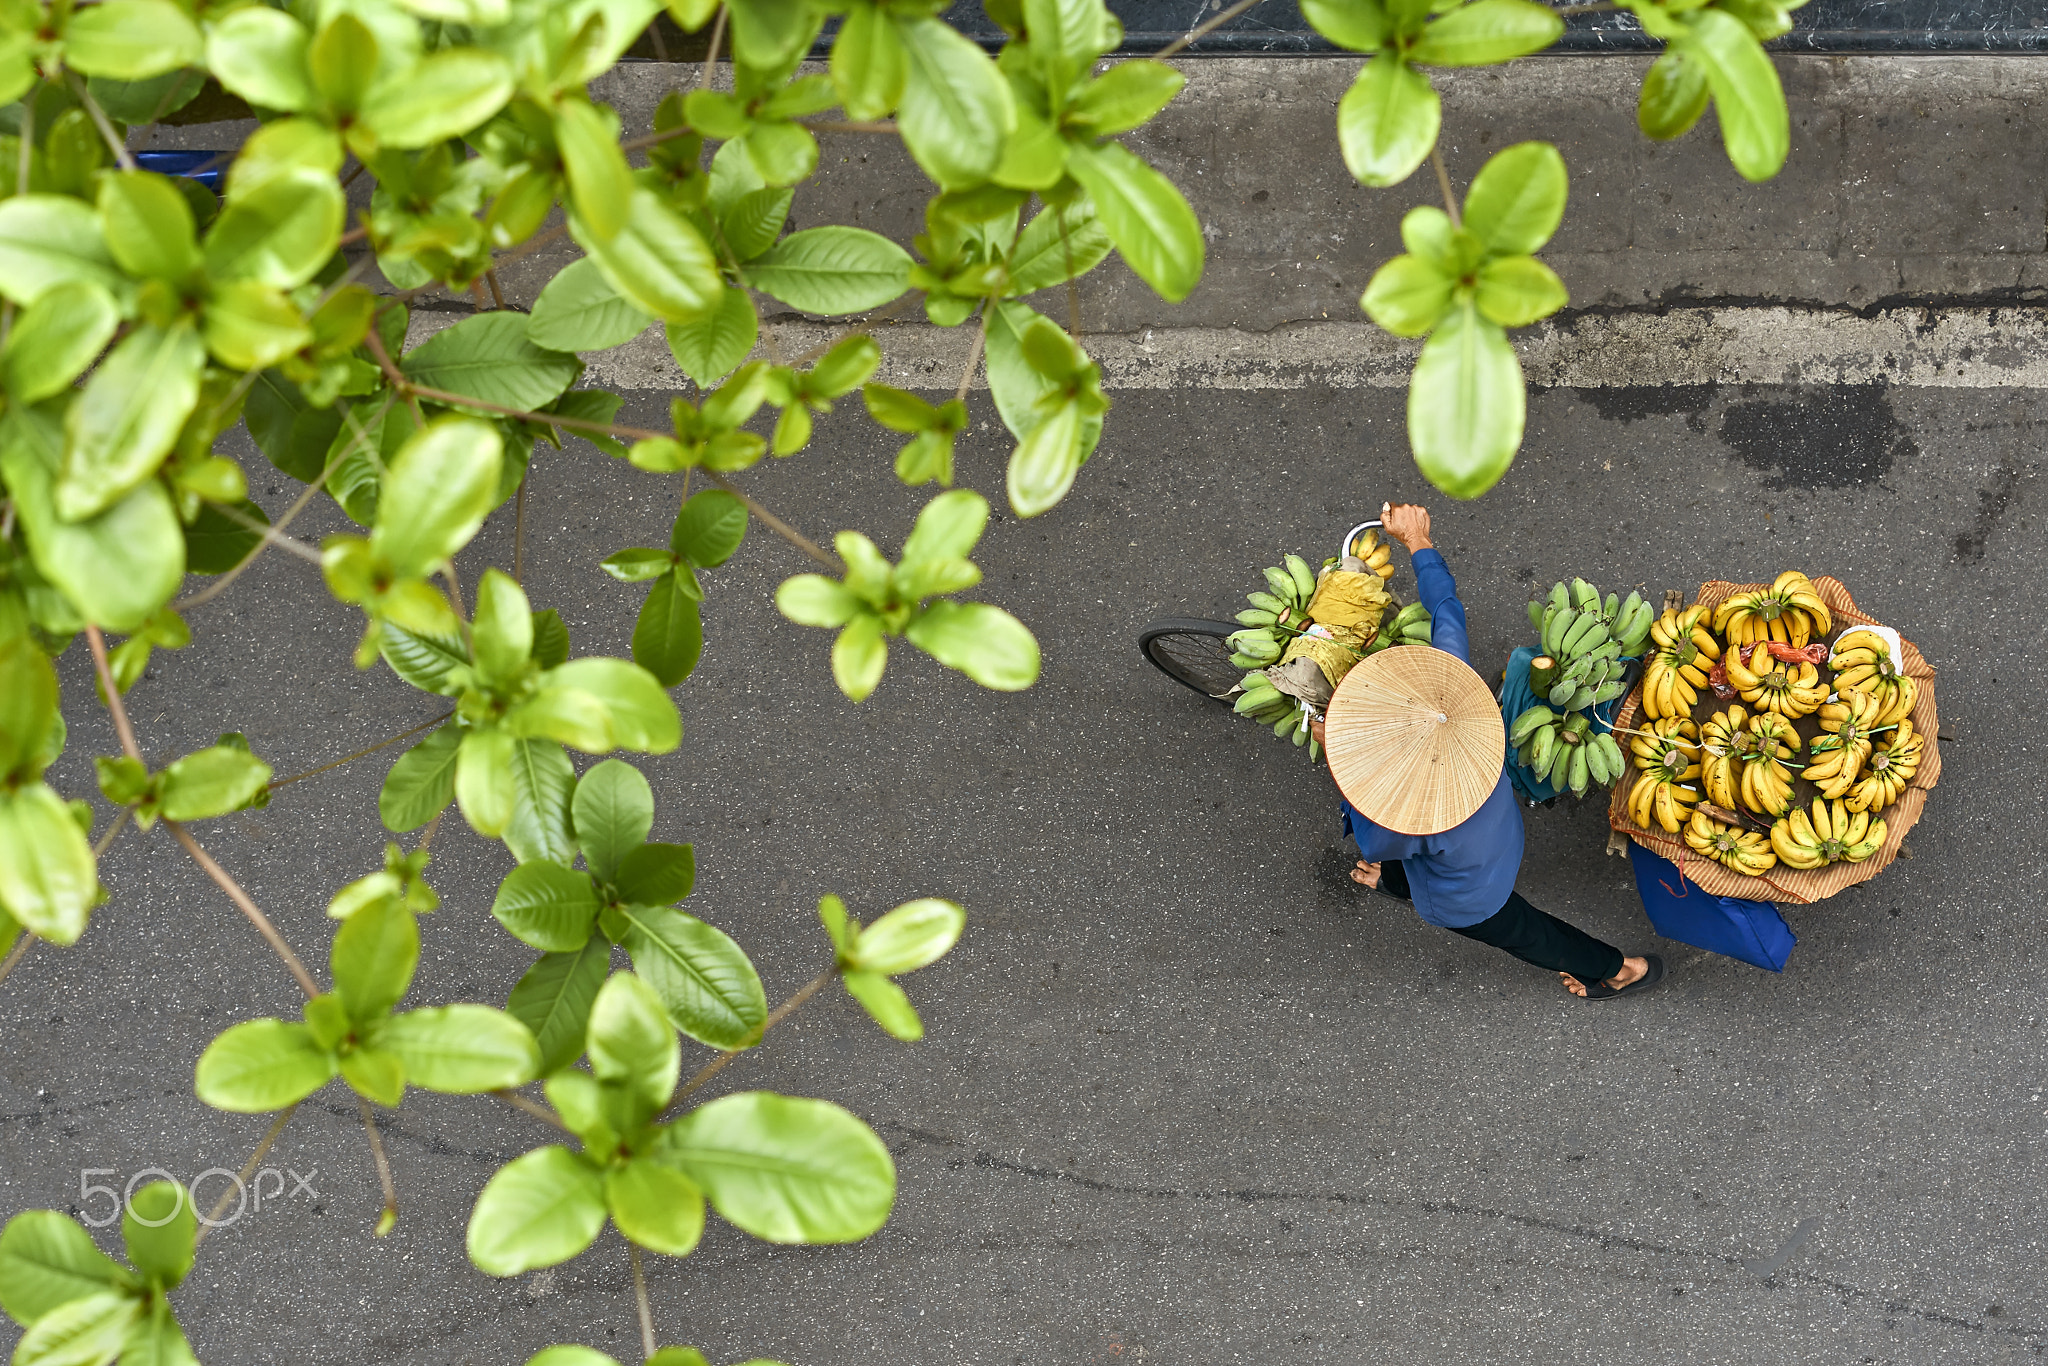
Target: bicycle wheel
[[1193, 653]]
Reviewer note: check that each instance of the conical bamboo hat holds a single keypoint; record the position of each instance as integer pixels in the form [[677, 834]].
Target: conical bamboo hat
[[1415, 739]]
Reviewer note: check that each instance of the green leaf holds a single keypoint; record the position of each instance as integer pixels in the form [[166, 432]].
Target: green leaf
[[634, 711], [1748, 100], [668, 636], [658, 261], [47, 1261], [912, 936], [1045, 462], [814, 600], [28, 708], [375, 1075], [155, 1339], [440, 97], [280, 232], [785, 1169], [859, 655], [542, 780], [550, 639], [343, 59], [1046, 256], [657, 874], [537, 1210], [580, 311], [56, 338], [260, 54], [116, 568], [1387, 122], [376, 952], [709, 528], [755, 220], [131, 39], [502, 630], [1066, 37], [158, 1227], [784, 153], [986, 643], [833, 270], [126, 420], [632, 1043], [1517, 199], [705, 980], [1360, 25], [771, 33], [422, 783], [50, 239], [87, 1332], [570, 1355], [1515, 291], [47, 877], [483, 780], [216, 542], [1674, 95], [461, 1050], [885, 1003], [638, 564], [212, 782], [1130, 93], [262, 1065], [553, 1000], [709, 349], [424, 659], [1466, 405], [490, 357], [656, 1206], [547, 906], [957, 109], [869, 64], [947, 528], [1407, 296], [1155, 231], [599, 177], [148, 226], [250, 325], [292, 434], [1487, 32], [440, 487], [614, 810]]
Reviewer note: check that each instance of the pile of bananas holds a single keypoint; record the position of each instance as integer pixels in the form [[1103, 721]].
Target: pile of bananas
[[1669, 757], [1744, 851], [1766, 786], [1862, 662], [1678, 668], [1838, 756], [1375, 550], [1268, 706], [1827, 833], [1584, 639], [1789, 611], [1409, 626], [1892, 766], [1786, 687], [1273, 618], [1560, 749], [1726, 744]]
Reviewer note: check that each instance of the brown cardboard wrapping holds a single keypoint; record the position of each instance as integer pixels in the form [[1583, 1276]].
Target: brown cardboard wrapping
[[1795, 886]]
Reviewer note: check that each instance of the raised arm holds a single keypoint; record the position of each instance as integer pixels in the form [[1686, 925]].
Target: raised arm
[[1434, 586]]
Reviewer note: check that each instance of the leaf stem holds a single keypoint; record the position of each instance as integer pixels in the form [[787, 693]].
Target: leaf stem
[[778, 526], [120, 821], [394, 374], [16, 954], [361, 753], [711, 52], [775, 1017], [390, 1214], [111, 694], [640, 1301], [247, 907], [122, 155], [282, 542], [1196, 35], [531, 1107], [974, 354], [220, 1206], [1443, 182]]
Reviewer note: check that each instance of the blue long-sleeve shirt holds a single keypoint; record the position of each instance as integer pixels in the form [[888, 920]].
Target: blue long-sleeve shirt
[[1464, 875]]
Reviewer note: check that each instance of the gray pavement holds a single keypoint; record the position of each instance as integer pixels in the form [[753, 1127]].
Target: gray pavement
[[1186, 1095]]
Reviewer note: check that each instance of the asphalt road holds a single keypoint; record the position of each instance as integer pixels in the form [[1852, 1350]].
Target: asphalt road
[[1186, 1096]]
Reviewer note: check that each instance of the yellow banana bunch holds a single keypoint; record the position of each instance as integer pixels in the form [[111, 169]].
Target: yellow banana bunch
[[1725, 742], [1827, 833], [1377, 553], [1744, 851], [1892, 766], [1862, 662], [1671, 749], [1790, 610], [1677, 668], [1838, 756], [1652, 798], [1766, 784], [1787, 689]]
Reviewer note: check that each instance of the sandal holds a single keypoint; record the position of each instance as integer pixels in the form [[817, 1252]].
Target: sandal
[[1600, 991]]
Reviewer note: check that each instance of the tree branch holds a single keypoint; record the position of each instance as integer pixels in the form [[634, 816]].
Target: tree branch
[[246, 906], [974, 354], [220, 1206], [14, 957], [1443, 182], [122, 155], [778, 526], [640, 1301], [111, 694], [776, 1017], [711, 52], [1196, 35], [390, 1214], [361, 753], [842, 126], [531, 1107]]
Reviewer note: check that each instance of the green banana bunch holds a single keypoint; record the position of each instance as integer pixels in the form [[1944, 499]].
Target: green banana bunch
[[1560, 749], [1254, 646], [1268, 706], [1304, 578], [1574, 618], [1283, 586]]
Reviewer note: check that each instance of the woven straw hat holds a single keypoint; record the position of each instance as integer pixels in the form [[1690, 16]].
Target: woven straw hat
[[1415, 740]]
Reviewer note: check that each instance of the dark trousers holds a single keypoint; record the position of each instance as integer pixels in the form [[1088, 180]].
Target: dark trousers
[[1529, 934]]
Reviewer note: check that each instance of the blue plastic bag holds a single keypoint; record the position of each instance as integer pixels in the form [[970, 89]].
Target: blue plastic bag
[[1752, 931]]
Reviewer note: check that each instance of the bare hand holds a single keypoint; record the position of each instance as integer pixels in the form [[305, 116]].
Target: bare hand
[[1407, 523]]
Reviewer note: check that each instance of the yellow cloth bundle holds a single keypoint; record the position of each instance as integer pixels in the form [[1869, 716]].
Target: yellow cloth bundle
[[1333, 657], [1350, 603]]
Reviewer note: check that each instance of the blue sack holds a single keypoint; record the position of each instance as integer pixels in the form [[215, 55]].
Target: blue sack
[[1752, 931]]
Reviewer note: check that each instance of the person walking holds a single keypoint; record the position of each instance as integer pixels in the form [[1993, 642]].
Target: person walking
[[1411, 736]]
